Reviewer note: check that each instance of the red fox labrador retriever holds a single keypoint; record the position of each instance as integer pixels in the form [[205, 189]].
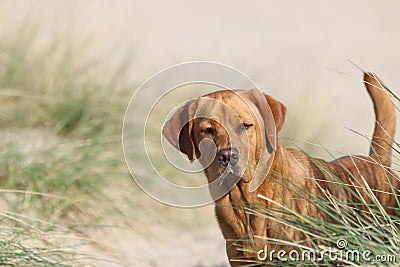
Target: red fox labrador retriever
[[244, 126]]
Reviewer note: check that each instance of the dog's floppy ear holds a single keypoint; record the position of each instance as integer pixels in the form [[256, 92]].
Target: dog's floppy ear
[[178, 129], [278, 111], [273, 124]]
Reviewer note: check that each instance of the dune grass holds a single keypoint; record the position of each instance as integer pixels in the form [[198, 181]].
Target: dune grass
[[26, 241], [363, 227], [61, 115]]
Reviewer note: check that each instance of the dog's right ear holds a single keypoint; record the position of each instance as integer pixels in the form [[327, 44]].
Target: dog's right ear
[[178, 129]]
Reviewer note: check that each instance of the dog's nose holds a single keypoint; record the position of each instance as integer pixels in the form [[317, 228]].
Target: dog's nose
[[226, 155]]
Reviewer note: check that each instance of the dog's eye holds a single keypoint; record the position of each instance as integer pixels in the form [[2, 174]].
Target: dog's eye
[[245, 126], [208, 130]]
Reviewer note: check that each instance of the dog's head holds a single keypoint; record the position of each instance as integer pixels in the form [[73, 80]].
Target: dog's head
[[243, 125]]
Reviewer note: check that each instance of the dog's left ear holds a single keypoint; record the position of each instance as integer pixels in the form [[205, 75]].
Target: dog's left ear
[[273, 115], [278, 111]]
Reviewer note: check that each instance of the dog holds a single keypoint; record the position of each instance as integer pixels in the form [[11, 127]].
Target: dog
[[244, 125]]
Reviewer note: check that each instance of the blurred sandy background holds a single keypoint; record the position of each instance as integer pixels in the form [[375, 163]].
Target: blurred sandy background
[[297, 51]]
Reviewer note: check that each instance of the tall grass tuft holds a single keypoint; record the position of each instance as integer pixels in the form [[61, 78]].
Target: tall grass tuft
[[25, 241], [61, 112]]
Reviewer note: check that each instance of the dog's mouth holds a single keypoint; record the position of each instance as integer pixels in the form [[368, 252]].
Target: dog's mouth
[[231, 169], [224, 171], [231, 173]]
